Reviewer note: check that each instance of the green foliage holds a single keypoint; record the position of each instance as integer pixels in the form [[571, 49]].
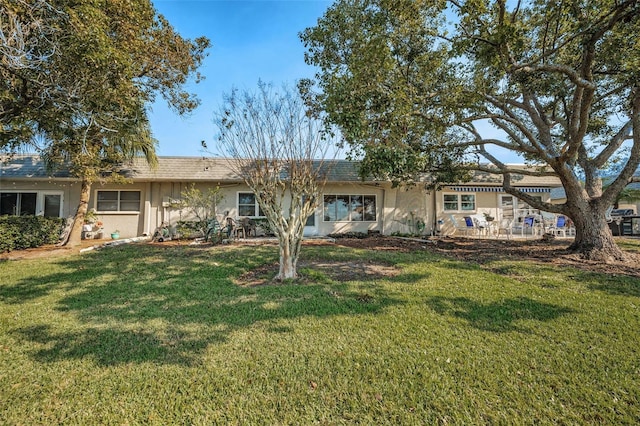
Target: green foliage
[[444, 87], [201, 205], [106, 337], [22, 232], [262, 223]]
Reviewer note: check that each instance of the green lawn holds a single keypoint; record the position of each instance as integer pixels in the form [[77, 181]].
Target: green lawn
[[162, 335]]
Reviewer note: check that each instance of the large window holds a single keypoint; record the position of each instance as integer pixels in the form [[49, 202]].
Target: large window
[[118, 201], [459, 202], [42, 203], [18, 203], [345, 208], [248, 205]]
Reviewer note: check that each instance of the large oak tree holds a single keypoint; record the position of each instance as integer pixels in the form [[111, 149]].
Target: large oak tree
[[416, 84], [78, 76]]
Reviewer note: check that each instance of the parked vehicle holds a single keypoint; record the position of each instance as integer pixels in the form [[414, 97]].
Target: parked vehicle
[[622, 212]]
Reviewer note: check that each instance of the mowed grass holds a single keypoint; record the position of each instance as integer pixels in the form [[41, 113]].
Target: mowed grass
[[164, 335]]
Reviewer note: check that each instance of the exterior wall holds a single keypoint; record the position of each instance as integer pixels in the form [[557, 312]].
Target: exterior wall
[[485, 202], [397, 210]]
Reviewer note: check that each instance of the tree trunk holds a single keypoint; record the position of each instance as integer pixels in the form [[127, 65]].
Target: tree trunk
[[594, 240], [289, 251], [75, 234]]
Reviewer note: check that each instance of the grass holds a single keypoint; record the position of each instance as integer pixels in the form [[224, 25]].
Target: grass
[[155, 335]]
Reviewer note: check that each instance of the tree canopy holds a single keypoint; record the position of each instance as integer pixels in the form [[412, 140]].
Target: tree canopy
[[416, 85], [77, 76], [88, 63]]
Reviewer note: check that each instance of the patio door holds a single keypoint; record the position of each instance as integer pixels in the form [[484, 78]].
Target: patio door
[[310, 228], [506, 207]]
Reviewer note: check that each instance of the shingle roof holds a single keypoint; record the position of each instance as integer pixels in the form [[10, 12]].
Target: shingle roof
[[195, 169], [517, 180], [27, 166], [191, 169]]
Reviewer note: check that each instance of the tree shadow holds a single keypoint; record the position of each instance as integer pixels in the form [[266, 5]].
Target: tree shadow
[[617, 285], [499, 316], [144, 304]]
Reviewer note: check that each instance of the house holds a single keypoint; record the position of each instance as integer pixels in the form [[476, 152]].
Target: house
[[349, 204]]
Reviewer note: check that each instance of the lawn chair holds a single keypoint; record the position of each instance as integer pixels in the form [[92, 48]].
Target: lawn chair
[[560, 227], [472, 225], [505, 226], [248, 226], [463, 228]]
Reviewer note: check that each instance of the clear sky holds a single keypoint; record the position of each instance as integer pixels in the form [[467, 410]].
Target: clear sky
[[251, 41]]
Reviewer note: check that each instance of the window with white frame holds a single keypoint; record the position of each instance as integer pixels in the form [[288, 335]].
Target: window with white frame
[[459, 202], [24, 203], [248, 205], [118, 201], [349, 208]]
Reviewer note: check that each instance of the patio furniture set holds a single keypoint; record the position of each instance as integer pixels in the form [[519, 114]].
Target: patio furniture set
[[523, 226]]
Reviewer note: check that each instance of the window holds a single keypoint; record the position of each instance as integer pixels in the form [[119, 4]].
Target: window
[[118, 201], [18, 203], [44, 203], [459, 202], [248, 205], [354, 208]]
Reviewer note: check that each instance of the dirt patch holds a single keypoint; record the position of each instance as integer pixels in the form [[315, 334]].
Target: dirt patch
[[480, 251], [337, 271]]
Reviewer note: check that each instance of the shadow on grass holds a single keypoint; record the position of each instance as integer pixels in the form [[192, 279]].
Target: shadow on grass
[[144, 304], [497, 316], [617, 285]]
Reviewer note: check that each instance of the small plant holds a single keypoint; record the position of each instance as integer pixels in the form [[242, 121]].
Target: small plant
[[91, 216]]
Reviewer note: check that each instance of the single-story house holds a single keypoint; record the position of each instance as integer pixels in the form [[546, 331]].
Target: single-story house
[[348, 203]]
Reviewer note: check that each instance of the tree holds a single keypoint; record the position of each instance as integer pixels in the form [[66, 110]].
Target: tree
[[279, 148], [201, 204], [78, 75], [417, 85]]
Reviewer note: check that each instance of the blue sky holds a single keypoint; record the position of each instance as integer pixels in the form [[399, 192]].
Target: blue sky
[[251, 40]]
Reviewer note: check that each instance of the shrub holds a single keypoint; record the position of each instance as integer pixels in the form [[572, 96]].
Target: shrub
[[190, 228], [22, 232]]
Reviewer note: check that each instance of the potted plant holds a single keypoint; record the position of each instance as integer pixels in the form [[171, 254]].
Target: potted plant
[[488, 217], [115, 235]]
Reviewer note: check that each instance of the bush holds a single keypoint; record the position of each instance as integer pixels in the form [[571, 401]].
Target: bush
[[264, 225], [22, 232], [191, 228]]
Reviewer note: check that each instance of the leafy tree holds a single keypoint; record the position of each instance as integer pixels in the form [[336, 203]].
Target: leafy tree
[[277, 146], [77, 77], [415, 86], [201, 204]]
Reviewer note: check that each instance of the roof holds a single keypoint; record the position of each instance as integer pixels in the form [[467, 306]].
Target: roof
[[517, 180], [169, 169], [27, 166]]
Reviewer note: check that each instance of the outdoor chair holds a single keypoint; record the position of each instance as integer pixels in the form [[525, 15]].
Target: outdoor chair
[[461, 227], [559, 228], [248, 226], [530, 223], [505, 226], [472, 225]]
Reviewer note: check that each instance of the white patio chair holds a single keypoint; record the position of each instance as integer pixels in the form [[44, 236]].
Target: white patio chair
[[505, 226], [462, 227]]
